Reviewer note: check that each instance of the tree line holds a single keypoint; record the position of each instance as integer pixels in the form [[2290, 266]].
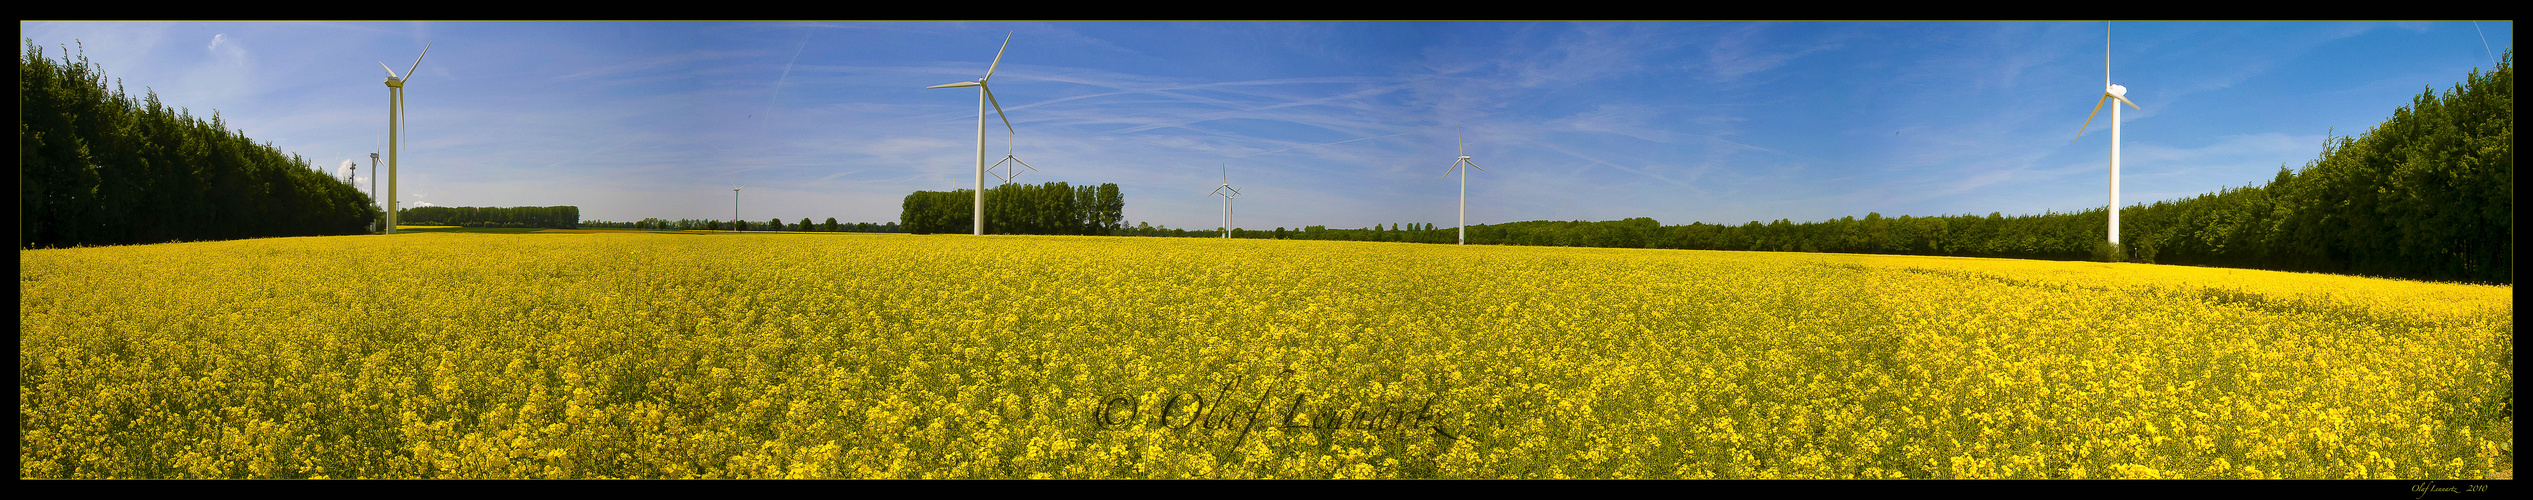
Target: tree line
[[98, 167], [1050, 208], [556, 217], [831, 226]]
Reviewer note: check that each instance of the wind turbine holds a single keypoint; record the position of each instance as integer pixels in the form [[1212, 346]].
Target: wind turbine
[[1009, 158], [1464, 182], [986, 95], [1234, 193], [395, 120], [373, 182], [734, 208], [2110, 92]]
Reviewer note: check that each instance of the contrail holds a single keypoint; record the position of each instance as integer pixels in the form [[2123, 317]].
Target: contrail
[[2484, 42], [787, 74], [1328, 144]]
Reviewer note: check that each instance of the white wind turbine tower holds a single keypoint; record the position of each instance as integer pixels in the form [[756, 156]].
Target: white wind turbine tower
[[2110, 92], [395, 120], [1227, 193], [1009, 158], [1464, 182], [373, 184], [734, 208], [986, 95]]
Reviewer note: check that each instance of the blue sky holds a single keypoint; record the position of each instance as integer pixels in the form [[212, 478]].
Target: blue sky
[[1343, 124]]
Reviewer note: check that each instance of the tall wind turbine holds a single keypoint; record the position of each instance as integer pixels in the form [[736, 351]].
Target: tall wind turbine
[[1464, 182], [395, 122], [2110, 92], [986, 95], [734, 208], [1227, 193]]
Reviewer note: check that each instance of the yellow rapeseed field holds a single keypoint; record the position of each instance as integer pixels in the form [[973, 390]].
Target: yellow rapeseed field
[[451, 355]]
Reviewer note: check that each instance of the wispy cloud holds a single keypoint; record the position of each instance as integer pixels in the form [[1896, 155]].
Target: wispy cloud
[[1627, 120], [657, 62], [1742, 50]]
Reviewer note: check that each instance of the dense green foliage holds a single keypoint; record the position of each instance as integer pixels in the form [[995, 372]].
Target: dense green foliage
[[562, 217], [1050, 208], [98, 167], [683, 224]]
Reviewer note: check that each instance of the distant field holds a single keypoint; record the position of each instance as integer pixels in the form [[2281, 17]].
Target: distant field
[[626, 354]]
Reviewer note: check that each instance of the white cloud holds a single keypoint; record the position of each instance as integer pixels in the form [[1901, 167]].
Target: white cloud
[[226, 49]]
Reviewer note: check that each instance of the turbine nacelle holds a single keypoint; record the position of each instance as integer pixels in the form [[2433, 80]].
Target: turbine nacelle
[[2109, 94], [988, 89], [399, 82]]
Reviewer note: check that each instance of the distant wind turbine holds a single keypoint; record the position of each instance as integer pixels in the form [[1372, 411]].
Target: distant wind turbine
[[984, 96], [2109, 93], [395, 122], [1009, 158], [734, 209], [1227, 193], [1464, 182], [373, 184]]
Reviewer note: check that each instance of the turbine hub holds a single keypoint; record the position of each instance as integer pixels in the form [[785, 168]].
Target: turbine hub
[[2117, 90], [1464, 157]]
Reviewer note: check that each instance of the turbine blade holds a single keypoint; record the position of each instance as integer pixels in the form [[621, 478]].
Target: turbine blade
[[998, 57], [391, 72], [417, 61], [2088, 119], [949, 85], [1024, 164], [998, 108], [1456, 138], [2130, 104], [1474, 165]]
